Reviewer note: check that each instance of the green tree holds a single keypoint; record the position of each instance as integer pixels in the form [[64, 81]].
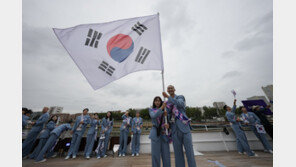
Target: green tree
[[194, 113], [144, 113], [210, 112], [221, 112], [132, 112], [117, 115]]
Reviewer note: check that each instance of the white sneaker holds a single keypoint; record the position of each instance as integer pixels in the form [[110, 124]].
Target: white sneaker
[[98, 157], [241, 153], [137, 154], [255, 155], [87, 157], [41, 161], [105, 156], [119, 155], [123, 155], [266, 151], [133, 155], [54, 155], [270, 151], [67, 157], [74, 156]]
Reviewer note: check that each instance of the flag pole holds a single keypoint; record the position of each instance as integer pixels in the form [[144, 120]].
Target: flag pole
[[162, 76], [165, 115]]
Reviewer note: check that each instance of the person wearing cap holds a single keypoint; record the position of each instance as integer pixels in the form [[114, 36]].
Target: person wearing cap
[[124, 131], [251, 119], [264, 121], [137, 124], [34, 132], [91, 135], [241, 139], [78, 130]]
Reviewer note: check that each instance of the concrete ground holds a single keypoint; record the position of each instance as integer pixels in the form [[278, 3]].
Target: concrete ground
[[209, 159]]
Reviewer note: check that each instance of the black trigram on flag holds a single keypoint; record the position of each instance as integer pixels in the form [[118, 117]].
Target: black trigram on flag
[[92, 38], [142, 55], [139, 28], [104, 66]]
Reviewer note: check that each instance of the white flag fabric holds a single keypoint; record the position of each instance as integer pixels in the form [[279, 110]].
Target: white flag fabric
[[105, 52]]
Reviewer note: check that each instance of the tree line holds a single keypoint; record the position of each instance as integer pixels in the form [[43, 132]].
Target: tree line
[[192, 112]]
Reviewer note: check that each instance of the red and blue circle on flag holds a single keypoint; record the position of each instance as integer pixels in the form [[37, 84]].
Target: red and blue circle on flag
[[119, 47]]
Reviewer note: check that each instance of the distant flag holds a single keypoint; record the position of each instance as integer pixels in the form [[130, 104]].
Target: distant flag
[[105, 52], [234, 93]]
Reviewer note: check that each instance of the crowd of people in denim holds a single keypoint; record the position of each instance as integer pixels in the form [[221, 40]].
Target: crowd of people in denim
[[170, 124]]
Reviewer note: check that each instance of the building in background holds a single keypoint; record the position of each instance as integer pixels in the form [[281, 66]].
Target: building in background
[[63, 117], [268, 90], [202, 110], [55, 110], [219, 105]]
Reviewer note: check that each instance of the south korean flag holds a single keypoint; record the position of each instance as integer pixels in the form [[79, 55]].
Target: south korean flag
[[105, 52]]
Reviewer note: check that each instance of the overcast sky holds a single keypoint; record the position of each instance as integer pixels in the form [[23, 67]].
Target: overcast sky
[[209, 48]]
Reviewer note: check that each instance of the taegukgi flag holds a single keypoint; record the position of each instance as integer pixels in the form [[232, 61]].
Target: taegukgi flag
[[105, 52]]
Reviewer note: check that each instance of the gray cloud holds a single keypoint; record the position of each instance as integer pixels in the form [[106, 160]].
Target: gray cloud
[[259, 33], [262, 24], [228, 54], [251, 42], [231, 74]]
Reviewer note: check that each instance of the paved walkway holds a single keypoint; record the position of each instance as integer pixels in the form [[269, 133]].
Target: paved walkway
[[228, 159]]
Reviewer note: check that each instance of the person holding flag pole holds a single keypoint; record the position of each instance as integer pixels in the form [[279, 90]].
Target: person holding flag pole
[[160, 148], [180, 125]]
